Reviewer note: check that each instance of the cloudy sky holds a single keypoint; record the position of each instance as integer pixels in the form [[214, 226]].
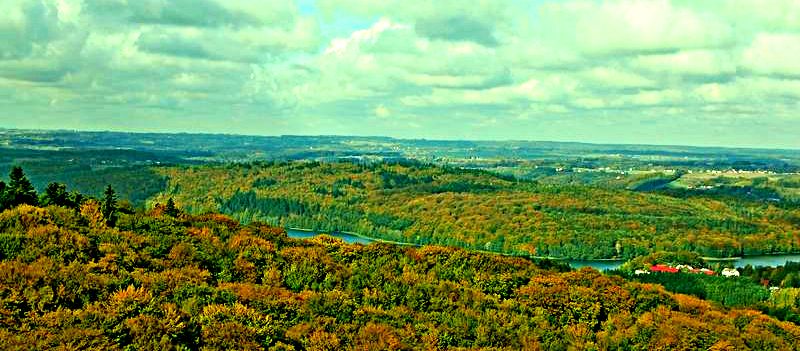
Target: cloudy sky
[[659, 72]]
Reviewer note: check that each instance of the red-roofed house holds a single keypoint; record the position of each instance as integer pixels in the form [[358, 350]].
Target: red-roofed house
[[663, 268]]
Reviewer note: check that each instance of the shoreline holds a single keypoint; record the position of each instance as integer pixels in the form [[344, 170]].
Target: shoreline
[[607, 260], [377, 240], [384, 241], [736, 258]]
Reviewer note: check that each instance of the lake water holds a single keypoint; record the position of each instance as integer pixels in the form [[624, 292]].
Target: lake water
[[348, 238], [766, 260], [600, 265]]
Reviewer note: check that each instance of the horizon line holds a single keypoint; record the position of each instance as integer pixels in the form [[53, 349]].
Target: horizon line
[[792, 149]]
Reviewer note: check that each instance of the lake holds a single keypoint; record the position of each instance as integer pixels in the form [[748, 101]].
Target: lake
[[348, 238], [600, 265], [766, 260]]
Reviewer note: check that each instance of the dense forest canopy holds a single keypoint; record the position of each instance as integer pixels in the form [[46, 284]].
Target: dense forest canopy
[[176, 281], [426, 204]]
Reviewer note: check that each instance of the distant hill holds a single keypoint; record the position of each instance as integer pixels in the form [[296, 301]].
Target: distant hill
[[425, 204], [225, 147]]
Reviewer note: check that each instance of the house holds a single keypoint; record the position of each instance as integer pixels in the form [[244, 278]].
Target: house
[[640, 271], [705, 271], [679, 268], [730, 272], [663, 268]]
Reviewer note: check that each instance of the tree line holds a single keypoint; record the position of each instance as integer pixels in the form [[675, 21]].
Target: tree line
[[20, 191]]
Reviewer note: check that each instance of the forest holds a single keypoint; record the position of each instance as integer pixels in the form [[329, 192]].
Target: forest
[[165, 279], [420, 203], [542, 199]]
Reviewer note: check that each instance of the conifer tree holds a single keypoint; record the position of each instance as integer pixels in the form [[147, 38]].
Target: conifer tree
[[2, 195], [109, 207], [55, 194], [20, 190], [76, 199], [171, 210]]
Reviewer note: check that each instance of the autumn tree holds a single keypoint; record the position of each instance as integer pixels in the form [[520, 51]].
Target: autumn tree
[[91, 211]]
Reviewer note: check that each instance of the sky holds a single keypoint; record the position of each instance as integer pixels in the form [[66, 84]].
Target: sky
[[690, 72]]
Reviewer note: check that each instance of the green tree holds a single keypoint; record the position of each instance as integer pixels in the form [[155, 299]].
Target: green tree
[[109, 207], [76, 199], [2, 195], [171, 210], [792, 280], [55, 194], [20, 190]]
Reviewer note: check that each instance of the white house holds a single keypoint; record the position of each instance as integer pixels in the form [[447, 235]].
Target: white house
[[730, 272]]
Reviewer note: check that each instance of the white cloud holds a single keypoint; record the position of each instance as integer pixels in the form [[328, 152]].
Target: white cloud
[[634, 26], [339, 46], [605, 77], [690, 62], [777, 54]]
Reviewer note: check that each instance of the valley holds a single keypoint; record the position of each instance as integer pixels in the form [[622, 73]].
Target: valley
[[569, 258], [563, 200]]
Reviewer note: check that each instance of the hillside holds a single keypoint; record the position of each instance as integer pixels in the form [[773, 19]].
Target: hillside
[[206, 282], [426, 204]]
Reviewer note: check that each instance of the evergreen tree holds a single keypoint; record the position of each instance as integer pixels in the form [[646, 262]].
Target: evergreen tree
[[76, 199], [20, 190], [55, 194], [171, 210], [2, 195], [109, 207]]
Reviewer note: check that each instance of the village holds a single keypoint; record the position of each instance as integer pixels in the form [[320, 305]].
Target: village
[[662, 268]]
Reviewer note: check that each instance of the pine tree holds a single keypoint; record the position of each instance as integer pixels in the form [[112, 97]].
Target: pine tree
[[2, 195], [76, 199], [20, 190], [109, 207], [55, 194], [171, 210]]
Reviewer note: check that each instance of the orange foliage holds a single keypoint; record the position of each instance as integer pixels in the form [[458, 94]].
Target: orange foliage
[[189, 283]]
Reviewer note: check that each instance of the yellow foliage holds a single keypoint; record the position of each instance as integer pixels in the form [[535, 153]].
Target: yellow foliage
[[25, 216], [90, 211]]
